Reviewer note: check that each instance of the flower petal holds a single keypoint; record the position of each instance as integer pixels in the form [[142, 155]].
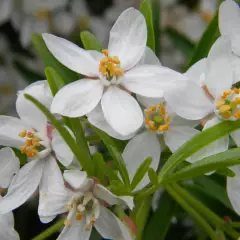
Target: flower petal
[[23, 185], [220, 145], [53, 195], [7, 224], [176, 136], [229, 17], [128, 38], [75, 178], [139, 148], [148, 101], [219, 76], [62, 151], [149, 58], [10, 128], [75, 231], [236, 137], [197, 72], [72, 56], [9, 165], [77, 98], [149, 80], [27, 111], [97, 119], [104, 194], [121, 111], [110, 227], [189, 100], [233, 189]]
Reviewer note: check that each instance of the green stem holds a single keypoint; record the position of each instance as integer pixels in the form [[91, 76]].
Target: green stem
[[201, 221], [51, 230], [211, 216]]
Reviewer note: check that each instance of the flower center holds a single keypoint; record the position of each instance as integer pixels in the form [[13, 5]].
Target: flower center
[[42, 14], [228, 106], [86, 205], [34, 146], [157, 119], [109, 67]]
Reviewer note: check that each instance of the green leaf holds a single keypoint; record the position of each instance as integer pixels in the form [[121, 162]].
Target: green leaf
[[153, 176], [141, 213], [141, 172], [102, 169], [213, 189], [181, 42], [115, 153], [146, 9], [55, 81], [90, 42], [198, 142], [27, 74], [209, 37], [156, 24], [50, 61], [118, 188], [160, 221], [226, 172], [208, 164], [76, 149]]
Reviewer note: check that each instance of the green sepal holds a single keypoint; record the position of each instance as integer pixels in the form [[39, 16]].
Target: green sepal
[[153, 176], [90, 42]]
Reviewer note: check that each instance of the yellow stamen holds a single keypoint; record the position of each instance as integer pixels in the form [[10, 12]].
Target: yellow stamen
[[224, 108], [226, 94], [237, 115], [219, 103], [236, 90], [237, 100], [162, 109], [105, 52], [163, 127], [67, 223], [23, 133], [79, 217]]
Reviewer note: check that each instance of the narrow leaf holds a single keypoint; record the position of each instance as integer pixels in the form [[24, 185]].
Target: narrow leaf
[[153, 176], [55, 81], [156, 24], [209, 37], [141, 172], [49, 60], [90, 42], [82, 158], [160, 221], [198, 142], [115, 153], [226, 172], [208, 164], [146, 9], [213, 189]]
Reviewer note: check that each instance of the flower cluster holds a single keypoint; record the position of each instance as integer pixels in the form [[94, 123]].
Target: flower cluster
[[123, 93]]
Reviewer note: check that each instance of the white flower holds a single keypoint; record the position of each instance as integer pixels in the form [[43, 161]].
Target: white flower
[[35, 138], [229, 23], [9, 165], [109, 73], [7, 227], [208, 95], [86, 206]]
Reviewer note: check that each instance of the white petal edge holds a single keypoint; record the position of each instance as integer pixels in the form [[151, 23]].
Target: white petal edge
[[149, 57], [128, 38], [72, 56], [121, 111], [78, 98], [75, 178], [9, 165]]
